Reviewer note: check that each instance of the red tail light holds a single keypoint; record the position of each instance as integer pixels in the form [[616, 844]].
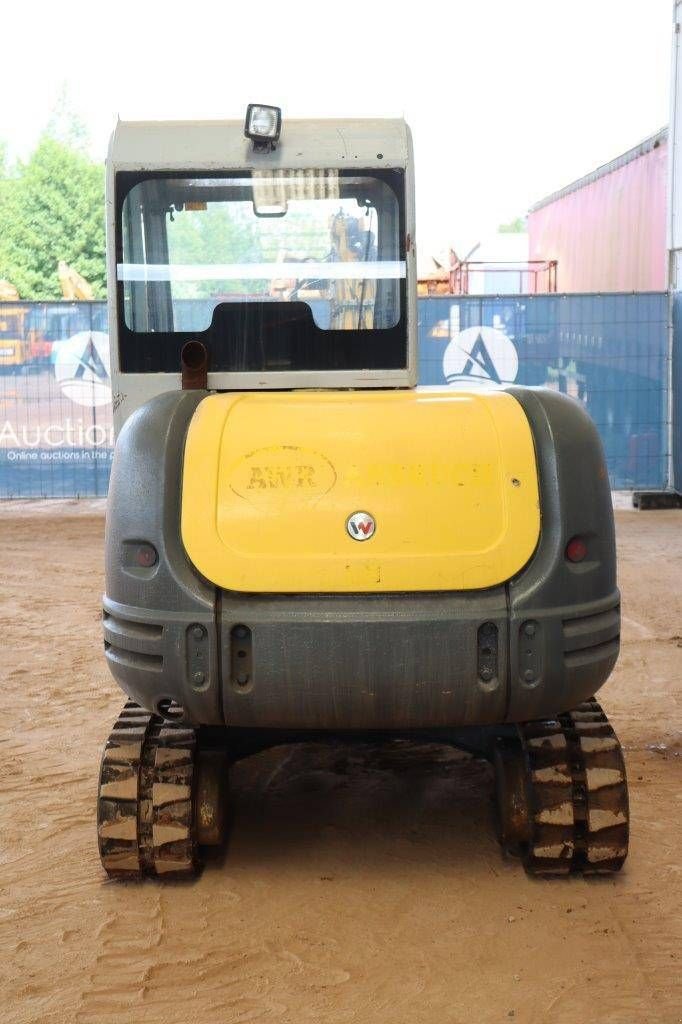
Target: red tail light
[[146, 555], [576, 549]]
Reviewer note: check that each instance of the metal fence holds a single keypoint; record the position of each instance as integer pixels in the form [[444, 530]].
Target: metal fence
[[609, 351], [56, 434]]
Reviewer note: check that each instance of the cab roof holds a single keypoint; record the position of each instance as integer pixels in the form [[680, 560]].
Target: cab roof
[[206, 145]]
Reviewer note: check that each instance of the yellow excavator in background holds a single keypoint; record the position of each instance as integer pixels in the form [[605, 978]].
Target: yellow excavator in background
[[8, 292], [27, 334], [74, 287], [14, 342], [59, 323]]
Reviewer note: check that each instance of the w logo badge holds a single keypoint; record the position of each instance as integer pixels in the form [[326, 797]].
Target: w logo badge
[[361, 526]]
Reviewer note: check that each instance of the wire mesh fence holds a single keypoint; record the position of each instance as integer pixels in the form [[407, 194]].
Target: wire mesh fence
[[610, 352], [56, 434]]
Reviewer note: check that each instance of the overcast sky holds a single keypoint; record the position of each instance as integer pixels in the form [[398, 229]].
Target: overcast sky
[[508, 101]]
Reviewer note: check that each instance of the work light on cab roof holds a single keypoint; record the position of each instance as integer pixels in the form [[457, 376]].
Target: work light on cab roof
[[263, 125]]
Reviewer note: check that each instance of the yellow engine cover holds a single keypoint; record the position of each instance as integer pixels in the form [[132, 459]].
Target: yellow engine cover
[[271, 479]]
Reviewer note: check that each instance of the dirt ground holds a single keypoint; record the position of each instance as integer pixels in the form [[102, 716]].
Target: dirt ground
[[358, 885]]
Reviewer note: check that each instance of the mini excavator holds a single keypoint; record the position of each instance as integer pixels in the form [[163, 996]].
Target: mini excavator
[[301, 543]]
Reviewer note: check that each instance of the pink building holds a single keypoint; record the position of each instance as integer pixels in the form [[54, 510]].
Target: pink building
[[607, 231]]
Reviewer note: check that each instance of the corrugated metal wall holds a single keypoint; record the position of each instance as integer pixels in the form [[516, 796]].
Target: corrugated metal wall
[[608, 351], [609, 235]]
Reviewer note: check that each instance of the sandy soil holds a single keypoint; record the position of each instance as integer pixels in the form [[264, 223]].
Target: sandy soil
[[359, 885]]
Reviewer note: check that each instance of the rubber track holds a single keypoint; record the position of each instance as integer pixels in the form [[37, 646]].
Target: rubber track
[[577, 794], [145, 819]]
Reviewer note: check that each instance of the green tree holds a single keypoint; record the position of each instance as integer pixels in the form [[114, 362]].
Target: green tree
[[513, 227], [230, 232], [222, 233], [53, 209]]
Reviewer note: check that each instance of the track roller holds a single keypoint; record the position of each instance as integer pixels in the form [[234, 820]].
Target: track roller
[[159, 798], [562, 795]]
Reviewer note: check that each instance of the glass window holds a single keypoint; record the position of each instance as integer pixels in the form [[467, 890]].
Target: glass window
[[244, 257]]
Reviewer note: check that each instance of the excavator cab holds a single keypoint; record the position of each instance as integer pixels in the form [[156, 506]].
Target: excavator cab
[[302, 543]]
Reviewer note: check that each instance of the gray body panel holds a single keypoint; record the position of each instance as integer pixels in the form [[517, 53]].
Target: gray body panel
[[576, 606], [388, 661], [371, 661], [148, 612]]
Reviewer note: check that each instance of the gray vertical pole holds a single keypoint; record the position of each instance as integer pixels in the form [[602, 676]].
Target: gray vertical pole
[[674, 243]]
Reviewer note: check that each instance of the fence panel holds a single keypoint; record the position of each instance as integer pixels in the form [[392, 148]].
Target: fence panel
[[56, 434], [608, 351]]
